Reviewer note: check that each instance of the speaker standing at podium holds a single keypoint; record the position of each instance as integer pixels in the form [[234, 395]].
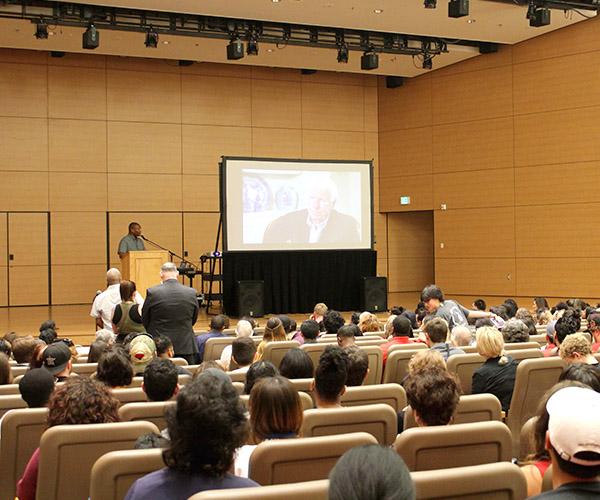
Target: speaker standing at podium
[[133, 241]]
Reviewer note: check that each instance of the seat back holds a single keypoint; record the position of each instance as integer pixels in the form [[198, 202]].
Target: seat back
[[396, 365], [469, 349], [314, 351], [239, 387], [534, 377], [114, 472], [375, 357], [379, 420], [540, 339], [471, 408], [463, 366], [21, 432], [150, 411], [371, 340], [11, 402], [390, 394], [179, 361], [85, 369], [520, 354], [275, 351], [500, 481], [130, 395], [8, 389], [237, 377], [214, 347], [315, 490], [460, 445], [18, 370], [521, 345], [415, 346], [68, 448], [302, 384], [305, 400], [281, 461]]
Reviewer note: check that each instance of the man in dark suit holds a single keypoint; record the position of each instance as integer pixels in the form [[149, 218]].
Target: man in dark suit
[[171, 309]]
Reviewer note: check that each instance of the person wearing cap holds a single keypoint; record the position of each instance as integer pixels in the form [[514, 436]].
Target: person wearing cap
[[573, 441], [56, 358], [142, 350], [36, 386]]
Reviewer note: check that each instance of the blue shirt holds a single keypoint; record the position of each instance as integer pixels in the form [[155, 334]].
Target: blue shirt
[[201, 341]]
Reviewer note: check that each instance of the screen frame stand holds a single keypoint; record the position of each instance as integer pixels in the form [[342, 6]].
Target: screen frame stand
[[215, 270]]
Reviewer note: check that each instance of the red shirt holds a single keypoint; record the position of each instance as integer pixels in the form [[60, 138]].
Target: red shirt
[[395, 340], [596, 347]]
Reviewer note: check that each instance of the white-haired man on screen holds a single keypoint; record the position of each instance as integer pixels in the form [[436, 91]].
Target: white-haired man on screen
[[319, 222]]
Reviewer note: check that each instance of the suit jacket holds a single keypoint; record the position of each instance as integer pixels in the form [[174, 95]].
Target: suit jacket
[[171, 309], [292, 228]]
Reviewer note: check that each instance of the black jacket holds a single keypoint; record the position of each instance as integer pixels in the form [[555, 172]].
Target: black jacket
[[496, 379]]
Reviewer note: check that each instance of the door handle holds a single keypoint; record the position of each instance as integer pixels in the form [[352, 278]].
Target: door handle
[[11, 256]]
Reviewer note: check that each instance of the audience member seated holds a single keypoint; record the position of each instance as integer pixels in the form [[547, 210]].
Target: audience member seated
[[550, 348], [48, 336], [515, 331], [164, 350], [370, 324], [258, 370], [97, 348], [22, 350], [388, 328], [56, 358], [206, 426], [127, 315], [511, 307], [114, 368], [160, 380], [427, 358], [309, 331], [275, 413], [331, 375], [319, 312], [242, 329], [433, 396], [217, 324], [346, 335], [332, 321], [106, 336], [296, 364], [402, 333], [354, 318], [243, 350], [594, 330], [436, 335], [479, 305], [106, 301], [581, 372], [286, 321], [358, 366], [82, 400], [6, 348], [370, 472], [142, 350], [461, 335], [274, 332], [5, 371], [207, 365], [577, 349], [573, 443], [497, 374], [36, 386], [543, 317]]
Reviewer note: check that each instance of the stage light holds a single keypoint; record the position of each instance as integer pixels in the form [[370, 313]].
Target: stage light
[[91, 38], [252, 47], [342, 55], [235, 49], [458, 8], [369, 60], [151, 38], [427, 61], [538, 15], [430, 4], [41, 30]]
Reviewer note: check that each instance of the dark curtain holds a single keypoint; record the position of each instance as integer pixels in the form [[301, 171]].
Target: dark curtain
[[296, 281]]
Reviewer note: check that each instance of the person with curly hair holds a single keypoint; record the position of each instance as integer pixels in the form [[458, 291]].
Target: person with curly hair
[[81, 400], [5, 371], [330, 379], [332, 321], [274, 332], [206, 426], [114, 368]]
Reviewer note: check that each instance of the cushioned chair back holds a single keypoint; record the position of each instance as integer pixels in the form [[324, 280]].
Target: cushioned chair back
[[305, 400], [415, 346], [281, 461], [366, 341], [8, 389], [114, 472], [85, 369], [521, 354], [18, 370], [21, 432], [463, 366], [11, 402], [500, 481], [179, 361], [540, 339], [313, 490], [214, 347], [534, 377], [390, 394], [460, 445], [150, 411], [471, 408], [239, 387], [469, 349], [68, 452], [302, 384], [237, 377], [314, 351], [521, 345], [375, 364], [379, 420], [275, 351], [130, 395], [396, 365], [328, 338]]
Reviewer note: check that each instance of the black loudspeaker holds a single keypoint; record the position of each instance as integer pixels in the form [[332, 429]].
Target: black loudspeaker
[[373, 294], [250, 298], [393, 82]]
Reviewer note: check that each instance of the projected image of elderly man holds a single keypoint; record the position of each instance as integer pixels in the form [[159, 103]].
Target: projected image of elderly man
[[320, 222]]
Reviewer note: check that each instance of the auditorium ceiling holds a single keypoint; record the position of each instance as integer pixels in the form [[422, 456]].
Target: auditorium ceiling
[[500, 22]]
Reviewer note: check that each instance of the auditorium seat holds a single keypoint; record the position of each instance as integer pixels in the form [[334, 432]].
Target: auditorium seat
[[179, 362], [520, 354], [390, 394], [534, 377], [20, 435], [150, 411], [237, 377], [114, 472], [471, 408], [129, 395], [415, 346], [328, 338], [587, 335], [379, 420], [281, 461], [239, 387], [305, 400], [18, 370], [314, 351], [375, 357], [214, 347], [275, 351], [499, 481], [136, 382], [463, 366], [309, 490], [396, 366], [11, 402], [380, 333], [521, 345], [192, 369], [85, 369], [460, 445], [540, 339], [365, 341], [68, 452], [527, 439], [8, 389], [302, 384], [469, 349]]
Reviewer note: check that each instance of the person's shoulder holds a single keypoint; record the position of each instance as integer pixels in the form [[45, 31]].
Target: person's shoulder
[[231, 481], [149, 484]]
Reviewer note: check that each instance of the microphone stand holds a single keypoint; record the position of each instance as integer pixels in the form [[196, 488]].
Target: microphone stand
[[173, 254]]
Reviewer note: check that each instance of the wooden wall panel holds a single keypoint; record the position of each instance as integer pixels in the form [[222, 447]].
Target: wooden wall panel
[[77, 146], [481, 188], [408, 106], [276, 143], [28, 238], [199, 234], [370, 109], [139, 64], [23, 144], [78, 238], [3, 239], [28, 285], [24, 191], [144, 148], [504, 57], [276, 104], [200, 193], [216, 100], [204, 145], [148, 192], [329, 145], [475, 233], [418, 187], [380, 231], [77, 286], [76, 93], [339, 78], [382, 268], [75, 191], [406, 152], [281, 74], [493, 276], [410, 235], [478, 145], [332, 107], [409, 274], [3, 286], [24, 90]]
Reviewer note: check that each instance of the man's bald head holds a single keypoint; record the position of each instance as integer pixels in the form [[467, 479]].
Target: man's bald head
[[461, 336], [113, 276]]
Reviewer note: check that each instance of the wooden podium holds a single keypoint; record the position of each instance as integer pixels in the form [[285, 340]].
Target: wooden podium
[[143, 268]]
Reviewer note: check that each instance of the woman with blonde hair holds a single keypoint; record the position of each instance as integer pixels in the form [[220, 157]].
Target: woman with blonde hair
[[426, 359], [389, 327], [274, 332], [497, 375]]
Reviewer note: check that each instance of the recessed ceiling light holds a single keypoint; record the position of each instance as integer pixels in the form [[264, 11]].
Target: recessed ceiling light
[[269, 50], [471, 21], [166, 42], [275, 1], [378, 11]]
